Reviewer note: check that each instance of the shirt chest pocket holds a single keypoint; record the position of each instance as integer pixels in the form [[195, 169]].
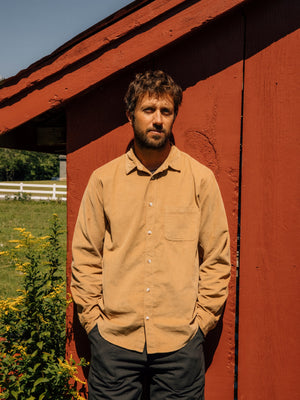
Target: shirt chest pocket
[[181, 223]]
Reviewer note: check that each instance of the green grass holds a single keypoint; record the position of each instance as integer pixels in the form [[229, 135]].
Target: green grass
[[35, 217]]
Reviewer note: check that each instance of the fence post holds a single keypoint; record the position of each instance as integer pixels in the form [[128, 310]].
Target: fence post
[[54, 191], [21, 189]]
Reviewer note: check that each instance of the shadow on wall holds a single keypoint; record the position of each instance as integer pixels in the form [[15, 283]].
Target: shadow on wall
[[189, 60]]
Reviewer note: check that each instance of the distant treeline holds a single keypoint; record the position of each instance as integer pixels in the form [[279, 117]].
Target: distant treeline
[[21, 165]]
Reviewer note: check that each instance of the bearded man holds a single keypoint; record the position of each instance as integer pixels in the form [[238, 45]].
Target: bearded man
[[151, 258]]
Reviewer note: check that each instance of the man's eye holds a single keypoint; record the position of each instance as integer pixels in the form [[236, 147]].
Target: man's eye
[[166, 111], [148, 110]]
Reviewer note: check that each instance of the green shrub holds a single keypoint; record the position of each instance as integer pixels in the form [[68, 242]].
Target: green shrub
[[23, 165], [32, 326]]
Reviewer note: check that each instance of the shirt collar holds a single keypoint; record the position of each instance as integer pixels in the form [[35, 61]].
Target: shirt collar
[[172, 162]]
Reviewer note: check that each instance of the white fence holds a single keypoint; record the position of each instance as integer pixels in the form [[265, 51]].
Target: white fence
[[33, 191]]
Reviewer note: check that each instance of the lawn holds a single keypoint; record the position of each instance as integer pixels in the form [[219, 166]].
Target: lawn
[[35, 217]]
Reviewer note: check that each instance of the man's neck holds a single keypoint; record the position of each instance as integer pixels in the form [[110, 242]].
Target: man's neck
[[152, 158]]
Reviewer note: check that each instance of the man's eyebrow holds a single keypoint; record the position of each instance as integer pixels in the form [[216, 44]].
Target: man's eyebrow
[[148, 106]]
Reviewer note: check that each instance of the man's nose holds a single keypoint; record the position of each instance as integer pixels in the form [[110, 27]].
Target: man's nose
[[157, 118]]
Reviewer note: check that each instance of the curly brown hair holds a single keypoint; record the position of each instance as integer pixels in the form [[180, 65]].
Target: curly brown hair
[[156, 83]]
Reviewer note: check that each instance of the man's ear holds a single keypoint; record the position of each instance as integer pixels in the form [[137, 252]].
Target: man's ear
[[129, 117]]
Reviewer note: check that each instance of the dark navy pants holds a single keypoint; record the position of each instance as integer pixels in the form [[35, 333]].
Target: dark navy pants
[[118, 374]]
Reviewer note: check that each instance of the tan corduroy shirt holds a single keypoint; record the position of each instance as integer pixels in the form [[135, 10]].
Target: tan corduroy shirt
[[151, 253]]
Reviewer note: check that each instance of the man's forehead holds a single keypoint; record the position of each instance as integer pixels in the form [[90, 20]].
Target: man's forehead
[[155, 98]]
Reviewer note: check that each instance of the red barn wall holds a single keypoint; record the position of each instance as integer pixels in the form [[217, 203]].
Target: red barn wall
[[239, 68], [269, 318]]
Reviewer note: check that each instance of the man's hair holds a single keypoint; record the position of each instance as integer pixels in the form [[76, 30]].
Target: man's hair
[[155, 83]]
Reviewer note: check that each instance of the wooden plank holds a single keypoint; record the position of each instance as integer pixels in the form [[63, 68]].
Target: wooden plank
[[269, 318]]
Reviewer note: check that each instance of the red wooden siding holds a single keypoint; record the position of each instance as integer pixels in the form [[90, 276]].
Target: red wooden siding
[[269, 318]]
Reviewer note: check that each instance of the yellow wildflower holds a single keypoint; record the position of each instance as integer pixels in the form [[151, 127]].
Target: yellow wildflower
[[13, 308], [78, 397], [69, 299], [78, 380], [20, 267]]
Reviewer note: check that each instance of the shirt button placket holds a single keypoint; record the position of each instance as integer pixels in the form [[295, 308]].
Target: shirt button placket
[[150, 210]]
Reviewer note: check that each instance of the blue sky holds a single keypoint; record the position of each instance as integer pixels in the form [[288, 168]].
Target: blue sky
[[31, 29]]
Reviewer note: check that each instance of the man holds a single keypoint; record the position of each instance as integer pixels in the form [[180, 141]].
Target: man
[[150, 257]]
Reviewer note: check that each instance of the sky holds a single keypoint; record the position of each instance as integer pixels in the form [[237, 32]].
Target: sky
[[32, 29]]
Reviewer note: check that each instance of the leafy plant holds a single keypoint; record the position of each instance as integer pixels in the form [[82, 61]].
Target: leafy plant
[[22, 196], [32, 326]]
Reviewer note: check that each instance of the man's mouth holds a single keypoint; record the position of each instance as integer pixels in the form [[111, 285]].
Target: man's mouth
[[156, 132]]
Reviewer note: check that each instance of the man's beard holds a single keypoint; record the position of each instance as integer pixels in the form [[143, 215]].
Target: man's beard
[[156, 141]]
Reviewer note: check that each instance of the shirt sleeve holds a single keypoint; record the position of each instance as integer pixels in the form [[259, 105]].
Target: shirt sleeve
[[87, 250], [214, 247]]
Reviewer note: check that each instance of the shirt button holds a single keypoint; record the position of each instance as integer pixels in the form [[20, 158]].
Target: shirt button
[[149, 232], [149, 261], [148, 289], [150, 204], [147, 318]]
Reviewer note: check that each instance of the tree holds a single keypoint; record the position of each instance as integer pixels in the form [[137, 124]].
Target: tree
[[19, 165]]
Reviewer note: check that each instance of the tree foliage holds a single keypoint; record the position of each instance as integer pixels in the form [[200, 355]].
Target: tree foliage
[[22, 165]]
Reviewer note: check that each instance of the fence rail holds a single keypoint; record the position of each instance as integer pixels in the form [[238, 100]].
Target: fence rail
[[33, 191]]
